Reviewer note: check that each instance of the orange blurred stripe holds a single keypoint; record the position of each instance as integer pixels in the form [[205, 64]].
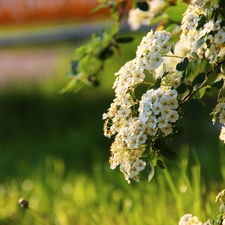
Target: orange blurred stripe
[[20, 11]]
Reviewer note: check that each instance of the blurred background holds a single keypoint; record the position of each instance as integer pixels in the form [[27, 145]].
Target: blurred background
[[38, 39], [52, 149]]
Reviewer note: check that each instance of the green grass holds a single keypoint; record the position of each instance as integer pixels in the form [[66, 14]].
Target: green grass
[[103, 197]]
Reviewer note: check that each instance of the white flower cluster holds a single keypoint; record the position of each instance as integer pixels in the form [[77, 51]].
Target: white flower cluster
[[212, 31], [137, 17], [133, 121], [221, 197], [188, 219], [219, 112], [152, 47], [157, 110], [173, 78]]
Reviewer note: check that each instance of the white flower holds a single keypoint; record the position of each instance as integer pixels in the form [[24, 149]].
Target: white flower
[[222, 134], [217, 24], [219, 37], [218, 110], [165, 103], [184, 219], [152, 122], [162, 37], [137, 17], [172, 116], [152, 131], [188, 219], [167, 129], [173, 103], [104, 116], [155, 61], [190, 35], [190, 21], [222, 116], [124, 112], [172, 79], [162, 122], [139, 164], [157, 107], [209, 26], [157, 6], [165, 48]]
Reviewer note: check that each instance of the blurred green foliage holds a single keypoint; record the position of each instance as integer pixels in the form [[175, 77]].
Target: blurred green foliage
[[102, 197]]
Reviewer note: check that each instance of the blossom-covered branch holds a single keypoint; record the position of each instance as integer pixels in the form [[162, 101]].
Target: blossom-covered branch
[[173, 69], [141, 117]]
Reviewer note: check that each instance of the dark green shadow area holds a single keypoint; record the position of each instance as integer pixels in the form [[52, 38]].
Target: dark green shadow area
[[66, 126]]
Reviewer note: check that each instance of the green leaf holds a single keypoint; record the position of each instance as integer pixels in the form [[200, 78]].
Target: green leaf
[[81, 51], [169, 153], [175, 13], [74, 67], [103, 5], [181, 66], [184, 75], [151, 171], [175, 38], [194, 107], [106, 53], [199, 80], [160, 163], [212, 57], [114, 28], [124, 39], [157, 83], [165, 74], [171, 27], [178, 131], [200, 93], [172, 48], [195, 63], [194, 55], [159, 144], [201, 22], [74, 85], [159, 18], [182, 88], [143, 6], [199, 43], [218, 84]]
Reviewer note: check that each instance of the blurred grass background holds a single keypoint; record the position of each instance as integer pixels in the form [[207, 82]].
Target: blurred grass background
[[54, 154]]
